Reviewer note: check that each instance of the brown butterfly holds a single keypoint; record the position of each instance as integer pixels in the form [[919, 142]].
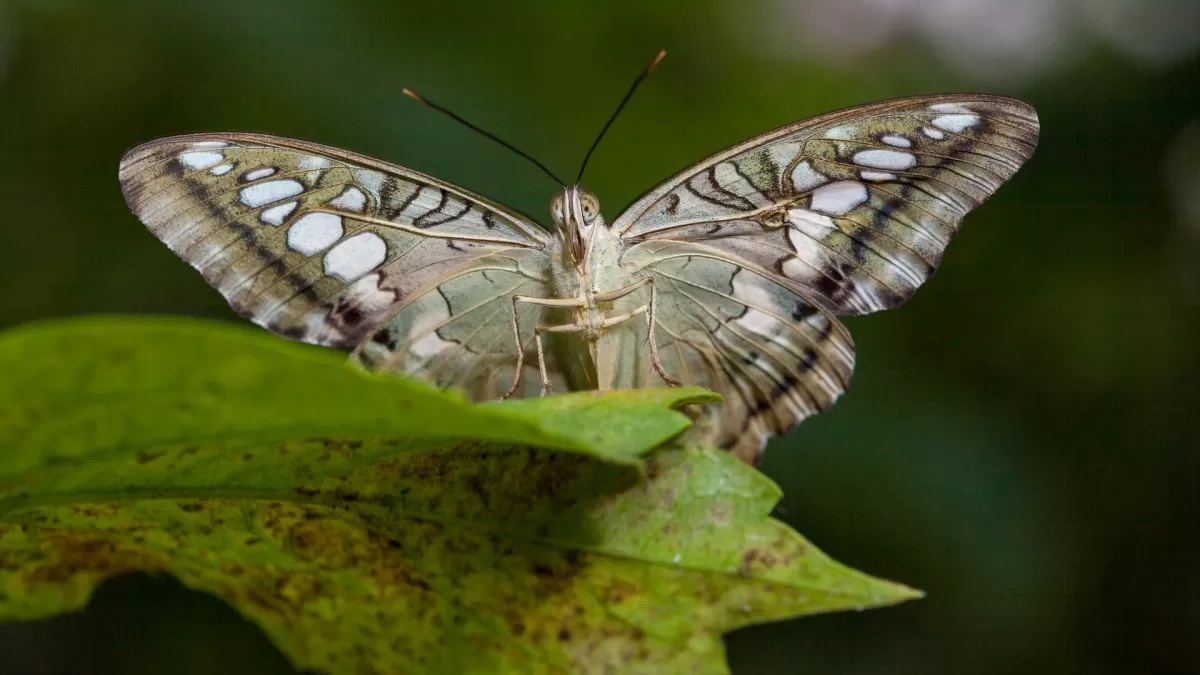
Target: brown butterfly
[[729, 275]]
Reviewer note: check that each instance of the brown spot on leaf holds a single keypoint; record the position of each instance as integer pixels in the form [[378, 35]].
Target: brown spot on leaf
[[748, 561], [515, 624], [65, 555], [618, 592]]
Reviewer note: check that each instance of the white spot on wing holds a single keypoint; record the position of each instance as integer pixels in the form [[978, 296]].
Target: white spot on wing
[[838, 198], [897, 140], [221, 170], [759, 301], [762, 308], [894, 160], [806, 226], [805, 179], [876, 175], [366, 296], [843, 132], [261, 194], [356, 256], [209, 145], [310, 162], [371, 180], [806, 233], [781, 153], [424, 342], [259, 173], [429, 346], [949, 108], [277, 214], [808, 262], [201, 160], [314, 232], [933, 133], [955, 123], [352, 199]]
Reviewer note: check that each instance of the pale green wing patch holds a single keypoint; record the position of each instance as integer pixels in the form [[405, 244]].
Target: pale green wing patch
[[732, 327], [387, 540], [459, 333]]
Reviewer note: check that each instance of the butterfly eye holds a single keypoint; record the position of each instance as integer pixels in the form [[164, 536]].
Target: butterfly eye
[[591, 207], [556, 210]]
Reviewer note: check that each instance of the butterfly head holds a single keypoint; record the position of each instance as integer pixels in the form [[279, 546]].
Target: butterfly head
[[576, 212]]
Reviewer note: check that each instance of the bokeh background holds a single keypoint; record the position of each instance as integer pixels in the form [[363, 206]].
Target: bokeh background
[[1021, 437]]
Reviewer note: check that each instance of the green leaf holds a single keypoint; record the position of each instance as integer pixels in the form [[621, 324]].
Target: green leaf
[[374, 524]]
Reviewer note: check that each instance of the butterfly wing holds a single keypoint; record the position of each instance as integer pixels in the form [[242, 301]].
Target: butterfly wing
[[458, 330], [775, 356], [312, 242], [854, 207], [847, 213]]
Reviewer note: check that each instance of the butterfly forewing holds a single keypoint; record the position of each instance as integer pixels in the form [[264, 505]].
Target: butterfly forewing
[[312, 242], [855, 207]]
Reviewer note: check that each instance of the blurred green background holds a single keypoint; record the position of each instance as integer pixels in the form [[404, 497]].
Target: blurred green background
[[1021, 438]]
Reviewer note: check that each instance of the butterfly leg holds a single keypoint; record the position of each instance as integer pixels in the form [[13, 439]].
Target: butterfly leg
[[648, 310], [543, 302], [537, 338]]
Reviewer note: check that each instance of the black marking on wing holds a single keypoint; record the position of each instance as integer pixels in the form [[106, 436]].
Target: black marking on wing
[[202, 192], [427, 219], [704, 186], [387, 197], [755, 179], [384, 337], [452, 312], [809, 359], [672, 204], [802, 312], [440, 215]]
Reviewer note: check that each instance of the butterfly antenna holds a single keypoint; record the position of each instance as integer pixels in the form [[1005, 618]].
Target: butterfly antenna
[[629, 94], [424, 101]]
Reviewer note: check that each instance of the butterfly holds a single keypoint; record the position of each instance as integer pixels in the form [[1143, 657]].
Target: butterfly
[[729, 275]]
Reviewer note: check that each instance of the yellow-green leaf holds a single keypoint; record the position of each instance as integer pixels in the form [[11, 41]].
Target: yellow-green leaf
[[374, 524]]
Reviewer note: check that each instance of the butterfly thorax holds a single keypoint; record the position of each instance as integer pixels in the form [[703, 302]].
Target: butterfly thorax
[[588, 267], [589, 250]]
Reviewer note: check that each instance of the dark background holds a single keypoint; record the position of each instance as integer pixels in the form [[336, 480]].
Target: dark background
[[1020, 440]]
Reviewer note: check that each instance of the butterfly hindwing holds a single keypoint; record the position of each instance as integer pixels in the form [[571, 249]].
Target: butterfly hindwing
[[315, 243], [774, 356], [458, 332], [855, 207]]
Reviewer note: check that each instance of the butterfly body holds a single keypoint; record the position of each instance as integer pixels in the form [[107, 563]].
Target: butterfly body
[[729, 275]]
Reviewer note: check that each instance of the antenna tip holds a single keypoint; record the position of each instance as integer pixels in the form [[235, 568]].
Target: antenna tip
[[662, 54], [413, 95]]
